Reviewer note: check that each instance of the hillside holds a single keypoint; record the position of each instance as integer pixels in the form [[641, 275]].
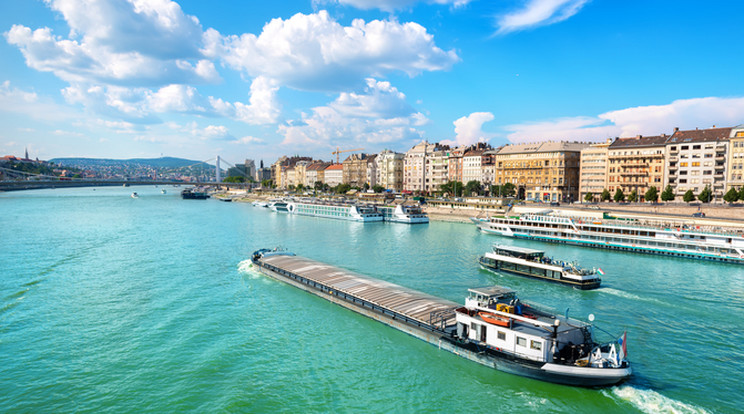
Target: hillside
[[163, 162]]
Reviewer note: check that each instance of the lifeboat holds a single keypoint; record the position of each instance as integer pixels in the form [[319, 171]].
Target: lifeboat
[[495, 319]]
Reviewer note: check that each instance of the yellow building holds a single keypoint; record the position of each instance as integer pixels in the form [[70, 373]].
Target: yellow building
[[736, 158], [636, 164], [547, 171]]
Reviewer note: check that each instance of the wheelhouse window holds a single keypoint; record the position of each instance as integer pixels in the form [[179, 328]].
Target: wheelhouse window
[[501, 336], [536, 345], [521, 341]]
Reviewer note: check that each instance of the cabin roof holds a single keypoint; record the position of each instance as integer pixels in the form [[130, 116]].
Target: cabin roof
[[517, 249], [491, 291]]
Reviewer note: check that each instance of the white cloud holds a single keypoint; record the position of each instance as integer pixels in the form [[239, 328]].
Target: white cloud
[[468, 129], [643, 120], [391, 5], [314, 52], [377, 115], [250, 140], [16, 101], [262, 109], [122, 42], [538, 13]]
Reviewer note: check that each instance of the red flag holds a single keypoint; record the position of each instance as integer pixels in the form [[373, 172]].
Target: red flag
[[624, 343]]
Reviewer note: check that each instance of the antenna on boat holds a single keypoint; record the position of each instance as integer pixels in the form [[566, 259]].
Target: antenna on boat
[[567, 313]]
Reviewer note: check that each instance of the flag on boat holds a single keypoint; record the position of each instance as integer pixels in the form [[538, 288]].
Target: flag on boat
[[600, 271], [623, 343]]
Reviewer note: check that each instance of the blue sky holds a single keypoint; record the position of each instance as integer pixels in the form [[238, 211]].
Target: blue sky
[[250, 79]]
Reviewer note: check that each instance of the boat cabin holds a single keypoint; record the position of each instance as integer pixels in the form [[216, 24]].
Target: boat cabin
[[519, 252]]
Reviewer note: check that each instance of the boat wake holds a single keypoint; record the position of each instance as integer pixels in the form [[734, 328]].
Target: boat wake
[[626, 295], [246, 267], [650, 401]]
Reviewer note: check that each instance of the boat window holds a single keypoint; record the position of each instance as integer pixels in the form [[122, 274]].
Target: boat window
[[521, 341], [536, 345], [501, 336]]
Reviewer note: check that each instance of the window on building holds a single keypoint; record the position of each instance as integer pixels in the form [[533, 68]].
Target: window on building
[[696, 147], [685, 147]]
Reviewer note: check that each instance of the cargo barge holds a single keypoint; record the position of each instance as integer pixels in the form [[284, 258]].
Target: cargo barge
[[493, 328]]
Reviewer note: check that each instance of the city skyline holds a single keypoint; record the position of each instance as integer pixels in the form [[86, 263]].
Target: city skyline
[[259, 81]]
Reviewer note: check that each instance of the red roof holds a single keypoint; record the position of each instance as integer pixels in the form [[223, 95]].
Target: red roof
[[335, 167]]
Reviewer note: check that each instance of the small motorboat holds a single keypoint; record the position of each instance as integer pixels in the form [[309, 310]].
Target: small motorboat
[[135, 195], [163, 191]]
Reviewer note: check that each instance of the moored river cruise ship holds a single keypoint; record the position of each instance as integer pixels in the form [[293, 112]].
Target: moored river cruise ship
[[404, 214], [493, 328], [613, 234], [353, 212]]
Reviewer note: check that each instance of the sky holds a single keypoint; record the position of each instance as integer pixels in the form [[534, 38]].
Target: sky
[[247, 79]]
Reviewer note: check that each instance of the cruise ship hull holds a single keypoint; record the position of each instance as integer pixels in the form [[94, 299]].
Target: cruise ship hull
[[445, 338]]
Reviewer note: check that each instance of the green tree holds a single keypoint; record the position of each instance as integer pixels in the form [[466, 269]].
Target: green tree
[[506, 190], [267, 183], [589, 197], [741, 193], [731, 196], [318, 185], [688, 197], [619, 195], [453, 187], [300, 187], [473, 186], [633, 196], [605, 195], [667, 194], [651, 195], [342, 188], [234, 179], [378, 188], [705, 195]]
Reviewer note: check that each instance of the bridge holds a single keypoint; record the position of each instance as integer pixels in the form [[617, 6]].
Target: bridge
[[19, 180]]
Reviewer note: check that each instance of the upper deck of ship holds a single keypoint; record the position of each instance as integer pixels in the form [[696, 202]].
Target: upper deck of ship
[[398, 299]]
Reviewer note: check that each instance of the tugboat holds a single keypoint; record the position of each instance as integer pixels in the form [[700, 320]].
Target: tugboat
[[493, 328], [534, 264]]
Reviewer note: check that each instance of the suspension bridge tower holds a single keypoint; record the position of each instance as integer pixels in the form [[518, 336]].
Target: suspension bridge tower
[[218, 178]]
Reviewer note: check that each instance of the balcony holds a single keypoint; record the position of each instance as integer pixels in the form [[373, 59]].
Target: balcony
[[634, 174], [673, 158]]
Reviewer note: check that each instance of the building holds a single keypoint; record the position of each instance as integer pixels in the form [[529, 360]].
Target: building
[[333, 175], [372, 170], [636, 164], [355, 170], [546, 171], [736, 158], [471, 165], [488, 168], [278, 174], [250, 168], [454, 163], [315, 173], [593, 170], [697, 159], [390, 170], [300, 171], [436, 171]]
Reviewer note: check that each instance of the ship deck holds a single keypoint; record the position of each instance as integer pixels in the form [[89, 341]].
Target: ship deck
[[395, 299]]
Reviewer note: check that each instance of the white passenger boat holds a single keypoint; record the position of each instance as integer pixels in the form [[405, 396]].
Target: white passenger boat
[[317, 208], [534, 264], [494, 328], [680, 241], [404, 214], [135, 195], [279, 205]]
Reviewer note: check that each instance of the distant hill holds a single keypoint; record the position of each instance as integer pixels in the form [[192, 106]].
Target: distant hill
[[163, 162]]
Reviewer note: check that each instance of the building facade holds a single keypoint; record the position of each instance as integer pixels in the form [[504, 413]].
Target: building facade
[[636, 164], [355, 170], [736, 158], [333, 175], [390, 170], [593, 170], [471, 165], [697, 159], [547, 171]]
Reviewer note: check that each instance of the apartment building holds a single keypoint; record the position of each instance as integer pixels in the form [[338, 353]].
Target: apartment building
[[636, 164], [736, 158], [697, 159], [593, 170], [425, 167], [546, 171], [390, 170]]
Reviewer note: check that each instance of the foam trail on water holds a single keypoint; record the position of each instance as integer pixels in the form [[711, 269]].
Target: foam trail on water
[[650, 401], [247, 268]]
